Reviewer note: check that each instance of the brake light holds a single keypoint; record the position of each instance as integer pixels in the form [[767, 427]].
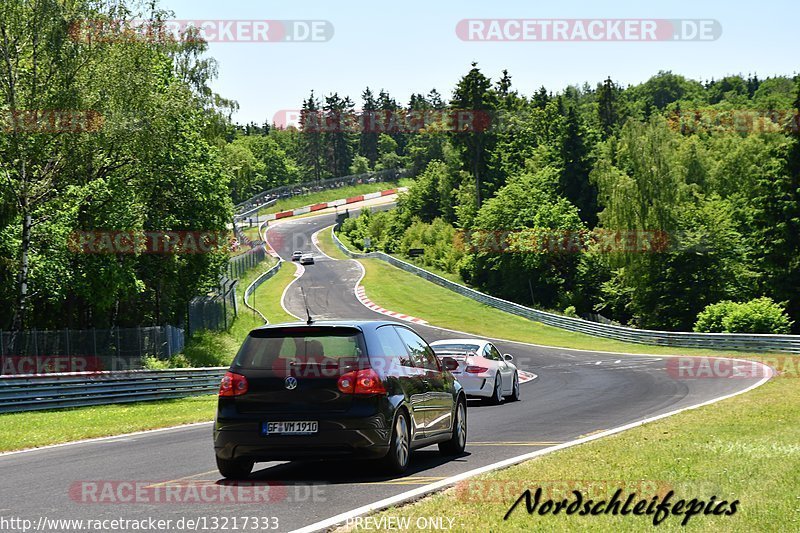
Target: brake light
[[233, 385], [361, 382], [476, 369]]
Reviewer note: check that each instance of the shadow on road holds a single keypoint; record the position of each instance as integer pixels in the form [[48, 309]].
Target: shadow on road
[[346, 471]]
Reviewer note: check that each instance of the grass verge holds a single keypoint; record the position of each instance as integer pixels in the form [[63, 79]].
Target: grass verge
[[267, 297], [332, 194], [404, 292], [744, 448], [41, 428], [326, 244]]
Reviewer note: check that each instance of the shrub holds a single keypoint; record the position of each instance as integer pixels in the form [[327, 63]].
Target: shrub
[[761, 315], [571, 312], [179, 360], [710, 319]]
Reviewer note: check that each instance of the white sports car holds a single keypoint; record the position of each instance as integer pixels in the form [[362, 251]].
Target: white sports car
[[482, 370]]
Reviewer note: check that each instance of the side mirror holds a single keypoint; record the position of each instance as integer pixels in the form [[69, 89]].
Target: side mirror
[[508, 357], [450, 363]]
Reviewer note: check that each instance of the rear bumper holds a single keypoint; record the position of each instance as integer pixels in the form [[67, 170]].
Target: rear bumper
[[478, 385], [241, 438]]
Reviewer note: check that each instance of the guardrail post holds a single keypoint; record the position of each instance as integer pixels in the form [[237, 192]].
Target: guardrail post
[[119, 352]]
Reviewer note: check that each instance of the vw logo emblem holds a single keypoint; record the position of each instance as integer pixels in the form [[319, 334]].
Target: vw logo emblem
[[291, 383]]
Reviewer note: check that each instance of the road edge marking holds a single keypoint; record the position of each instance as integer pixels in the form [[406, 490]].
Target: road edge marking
[[315, 241], [298, 273]]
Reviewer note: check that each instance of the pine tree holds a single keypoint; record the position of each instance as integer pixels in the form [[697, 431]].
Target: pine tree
[[574, 180], [393, 119], [474, 93], [504, 84], [435, 99], [311, 138], [370, 127], [339, 139], [607, 107], [540, 98]]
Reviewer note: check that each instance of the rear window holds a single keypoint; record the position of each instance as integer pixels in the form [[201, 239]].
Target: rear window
[[262, 349], [455, 348]]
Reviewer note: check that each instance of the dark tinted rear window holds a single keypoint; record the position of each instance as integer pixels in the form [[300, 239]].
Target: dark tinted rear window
[[262, 349], [455, 347]]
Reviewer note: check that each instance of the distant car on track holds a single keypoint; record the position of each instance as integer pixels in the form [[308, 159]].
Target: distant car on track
[[482, 370], [297, 254], [371, 389], [307, 259]]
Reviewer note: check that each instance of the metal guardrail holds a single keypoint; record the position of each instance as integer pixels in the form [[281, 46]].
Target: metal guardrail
[[55, 391], [716, 341], [257, 283]]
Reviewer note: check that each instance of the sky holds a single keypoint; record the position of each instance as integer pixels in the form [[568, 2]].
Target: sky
[[412, 46]]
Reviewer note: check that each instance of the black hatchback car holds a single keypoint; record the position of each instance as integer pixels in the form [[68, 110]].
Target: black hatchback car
[[363, 389]]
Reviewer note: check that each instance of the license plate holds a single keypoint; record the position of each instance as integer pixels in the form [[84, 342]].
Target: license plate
[[290, 428]]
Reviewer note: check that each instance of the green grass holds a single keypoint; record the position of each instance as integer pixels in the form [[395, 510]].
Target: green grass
[[332, 194], [403, 292], [40, 428], [267, 297], [743, 448], [326, 244]]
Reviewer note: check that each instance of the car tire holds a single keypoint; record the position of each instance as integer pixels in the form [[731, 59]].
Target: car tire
[[234, 468], [514, 397], [458, 440], [396, 461], [497, 393]]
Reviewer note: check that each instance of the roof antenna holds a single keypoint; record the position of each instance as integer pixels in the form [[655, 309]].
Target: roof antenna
[[305, 302]]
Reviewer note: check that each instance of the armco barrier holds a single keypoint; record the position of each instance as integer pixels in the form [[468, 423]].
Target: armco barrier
[[256, 284], [717, 341], [54, 391]]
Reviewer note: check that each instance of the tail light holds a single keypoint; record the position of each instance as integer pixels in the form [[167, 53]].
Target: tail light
[[361, 382], [233, 385], [476, 369]]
